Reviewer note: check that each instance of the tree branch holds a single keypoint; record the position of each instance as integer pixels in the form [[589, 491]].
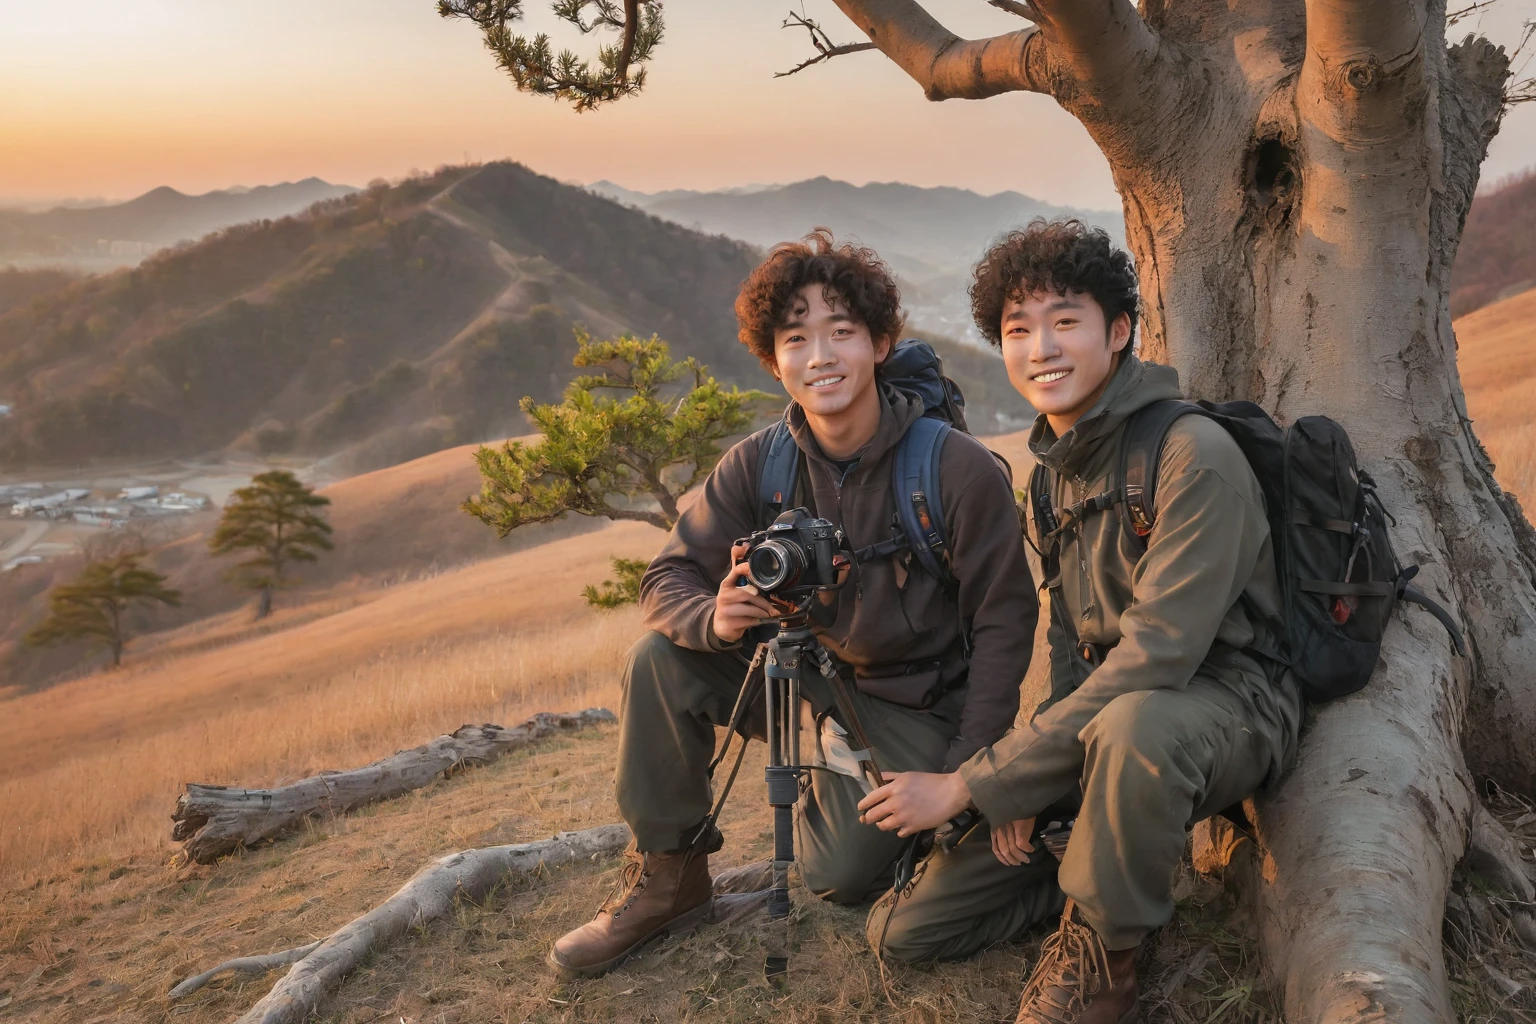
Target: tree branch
[[825, 48], [1025, 11], [946, 66]]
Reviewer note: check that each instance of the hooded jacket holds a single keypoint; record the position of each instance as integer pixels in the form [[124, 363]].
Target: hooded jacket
[[894, 624], [1189, 606]]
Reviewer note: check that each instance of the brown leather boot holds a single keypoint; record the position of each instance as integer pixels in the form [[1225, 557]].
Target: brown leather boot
[[658, 894], [1078, 981]]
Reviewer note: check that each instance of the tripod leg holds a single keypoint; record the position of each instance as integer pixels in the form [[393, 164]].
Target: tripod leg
[[782, 677], [744, 699]]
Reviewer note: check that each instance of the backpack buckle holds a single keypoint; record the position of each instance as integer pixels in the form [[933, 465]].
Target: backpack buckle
[[1136, 511]]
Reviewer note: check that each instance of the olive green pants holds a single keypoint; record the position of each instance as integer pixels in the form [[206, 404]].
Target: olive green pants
[[1154, 763], [673, 700]]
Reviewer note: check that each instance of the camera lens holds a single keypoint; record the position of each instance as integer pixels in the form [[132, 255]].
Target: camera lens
[[774, 564]]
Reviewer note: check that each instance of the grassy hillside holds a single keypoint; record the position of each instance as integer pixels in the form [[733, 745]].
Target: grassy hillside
[[1497, 358], [1497, 257], [391, 525], [98, 924]]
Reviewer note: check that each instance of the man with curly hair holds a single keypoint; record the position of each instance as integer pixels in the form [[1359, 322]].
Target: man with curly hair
[[934, 665], [1163, 710]]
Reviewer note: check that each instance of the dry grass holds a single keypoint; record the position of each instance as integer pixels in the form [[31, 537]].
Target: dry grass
[[1497, 359], [105, 939], [91, 768]]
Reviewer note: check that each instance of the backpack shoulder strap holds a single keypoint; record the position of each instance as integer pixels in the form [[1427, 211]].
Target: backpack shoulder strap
[[1042, 510], [1145, 433], [915, 487], [778, 471]]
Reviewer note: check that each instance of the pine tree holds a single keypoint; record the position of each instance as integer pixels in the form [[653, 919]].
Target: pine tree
[[93, 607], [276, 518], [600, 455]]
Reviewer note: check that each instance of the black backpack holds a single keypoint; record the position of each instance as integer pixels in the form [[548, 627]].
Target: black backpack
[[1339, 577], [913, 366]]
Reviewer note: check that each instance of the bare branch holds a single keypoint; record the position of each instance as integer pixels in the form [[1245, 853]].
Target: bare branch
[[1521, 90], [946, 66], [1454, 16], [1026, 11], [825, 48]]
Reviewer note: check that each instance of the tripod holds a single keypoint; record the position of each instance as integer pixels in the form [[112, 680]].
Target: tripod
[[777, 666]]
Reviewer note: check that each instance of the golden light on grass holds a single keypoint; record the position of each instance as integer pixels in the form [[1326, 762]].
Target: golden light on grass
[[92, 768], [1497, 358]]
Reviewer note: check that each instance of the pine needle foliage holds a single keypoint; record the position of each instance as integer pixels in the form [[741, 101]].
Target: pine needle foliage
[[277, 520], [600, 454], [534, 66], [93, 608], [623, 589]]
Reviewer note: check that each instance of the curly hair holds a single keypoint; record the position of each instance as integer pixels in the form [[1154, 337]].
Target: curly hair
[[853, 275], [1052, 256]]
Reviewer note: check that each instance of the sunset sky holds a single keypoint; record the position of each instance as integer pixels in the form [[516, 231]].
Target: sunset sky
[[102, 98]]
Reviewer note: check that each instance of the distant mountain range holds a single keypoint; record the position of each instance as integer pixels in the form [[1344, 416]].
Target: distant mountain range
[[930, 236], [121, 234], [373, 328]]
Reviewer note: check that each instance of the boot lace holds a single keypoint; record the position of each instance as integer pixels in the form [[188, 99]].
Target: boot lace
[[631, 884], [1072, 970]]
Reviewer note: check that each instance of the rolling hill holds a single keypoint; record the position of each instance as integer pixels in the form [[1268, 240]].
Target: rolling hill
[[384, 325], [1496, 354], [121, 234], [1497, 257]]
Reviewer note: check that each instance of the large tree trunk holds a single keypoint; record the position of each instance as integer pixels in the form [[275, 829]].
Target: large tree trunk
[[1295, 177]]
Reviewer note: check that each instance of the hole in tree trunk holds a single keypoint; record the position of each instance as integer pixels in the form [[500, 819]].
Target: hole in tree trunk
[[1272, 178]]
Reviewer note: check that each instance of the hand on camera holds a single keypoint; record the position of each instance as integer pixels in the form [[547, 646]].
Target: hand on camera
[[913, 802], [1010, 841], [738, 609]]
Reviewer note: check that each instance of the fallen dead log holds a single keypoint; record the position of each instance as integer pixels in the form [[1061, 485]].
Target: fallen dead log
[[320, 966], [428, 895], [212, 821]]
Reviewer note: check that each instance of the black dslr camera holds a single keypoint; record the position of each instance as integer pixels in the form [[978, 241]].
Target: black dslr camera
[[794, 557]]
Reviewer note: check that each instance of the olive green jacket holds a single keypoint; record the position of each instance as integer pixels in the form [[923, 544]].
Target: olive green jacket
[[1189, 606]]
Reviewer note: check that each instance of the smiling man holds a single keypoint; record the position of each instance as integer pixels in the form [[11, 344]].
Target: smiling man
[[1162, 711], [935, 664]]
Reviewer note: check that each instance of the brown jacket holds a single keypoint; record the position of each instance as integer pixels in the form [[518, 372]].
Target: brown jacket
[[1188, 606], [895, 625]]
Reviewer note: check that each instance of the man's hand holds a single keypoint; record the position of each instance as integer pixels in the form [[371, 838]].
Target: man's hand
[[1010, 841], [738, 609], [912, 802]]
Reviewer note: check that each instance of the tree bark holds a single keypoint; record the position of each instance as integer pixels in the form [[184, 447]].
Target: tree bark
[[264, 603], [213, 821], [1295, 177]]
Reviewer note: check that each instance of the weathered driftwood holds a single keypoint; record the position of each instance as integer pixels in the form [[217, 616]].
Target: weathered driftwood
[[244, 965], [428, 895], [212, 821], [320, 966]]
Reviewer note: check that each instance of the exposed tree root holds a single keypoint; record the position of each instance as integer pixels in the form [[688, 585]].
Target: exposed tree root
[[320, 966], [470, 873], [244, 965], [212, 821]]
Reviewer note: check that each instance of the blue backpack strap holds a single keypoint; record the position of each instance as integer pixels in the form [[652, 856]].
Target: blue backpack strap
[[915, 485], [778, 471]]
